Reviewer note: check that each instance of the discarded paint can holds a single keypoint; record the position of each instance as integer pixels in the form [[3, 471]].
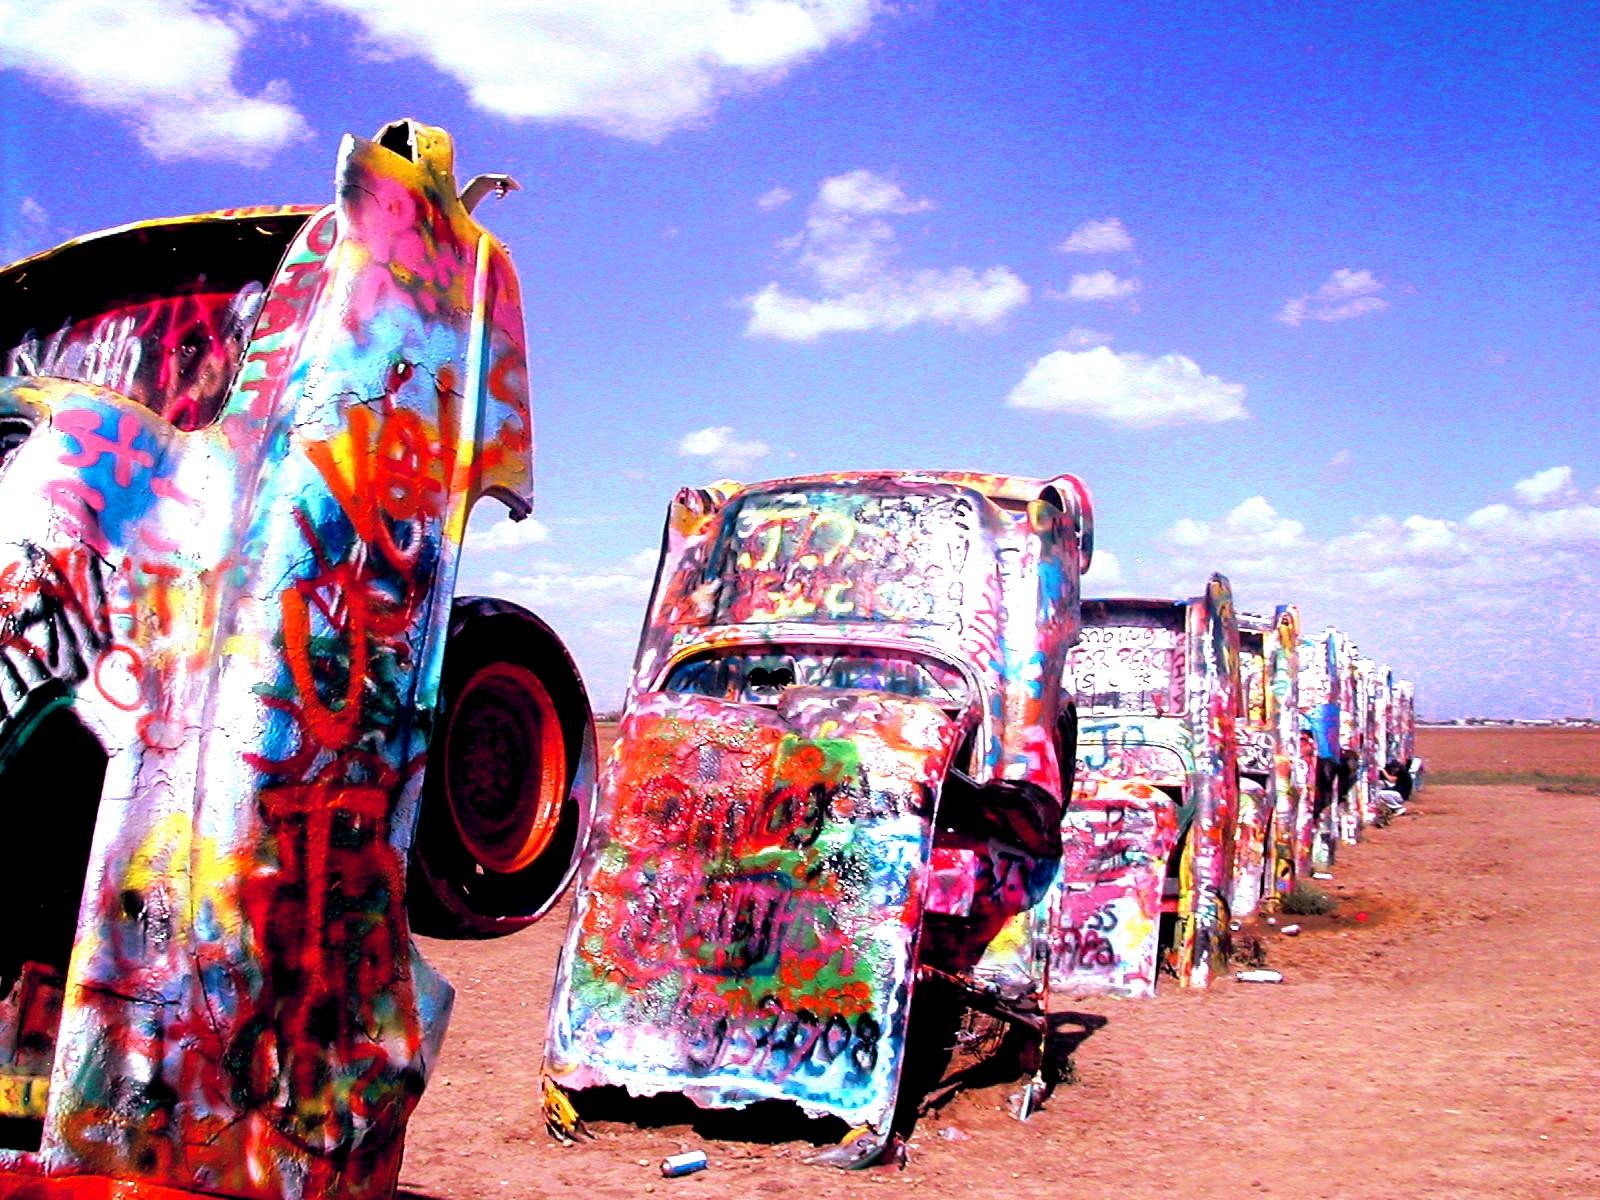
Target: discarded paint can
[[1028, 1099], [684, 1164], [1290, 930], [1262, 976]]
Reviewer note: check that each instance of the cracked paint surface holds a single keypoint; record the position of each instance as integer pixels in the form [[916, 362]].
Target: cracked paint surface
[[839, 759], [232, 518]]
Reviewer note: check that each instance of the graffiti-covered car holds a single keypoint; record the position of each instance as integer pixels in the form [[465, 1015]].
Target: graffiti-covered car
[[840, 770], [237, 456], [1274, 760], [1321, 705], [1150, 835]]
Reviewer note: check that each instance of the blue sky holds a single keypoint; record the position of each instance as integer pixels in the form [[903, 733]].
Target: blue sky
[[1306, 297]]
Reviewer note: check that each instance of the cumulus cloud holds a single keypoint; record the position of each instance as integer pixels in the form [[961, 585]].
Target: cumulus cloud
[[571, 587], [774, 198], [636, 70], [849, 252], [1131, 390], [1343, 296], [1109, 236], [1081, 337], [1099, 287], [27, 233], [163, 67], [1492, 612], [721, 447], [1255, 534], [1105, 572], [498, 532], [1547, 487]]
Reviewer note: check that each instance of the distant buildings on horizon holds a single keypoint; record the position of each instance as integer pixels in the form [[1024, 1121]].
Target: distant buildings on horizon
[[1561, 722]]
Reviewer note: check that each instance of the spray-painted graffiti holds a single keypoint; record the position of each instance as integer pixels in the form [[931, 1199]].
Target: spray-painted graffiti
[[753, 921], [233, 510], [1119, 837], [174, 355], [841, 756], [1292, 765], [1269, 748], [1194, 753], [850, 556], [1152, 749], [1129, 669], [1250, 847]]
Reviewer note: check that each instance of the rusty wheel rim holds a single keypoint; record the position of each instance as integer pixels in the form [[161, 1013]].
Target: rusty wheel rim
[[505, 767]]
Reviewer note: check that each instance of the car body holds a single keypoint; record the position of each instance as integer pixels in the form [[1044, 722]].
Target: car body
[[1403, 733], [1273, 763], [1333, 700], [1156, 684], [239, 453], [839, 774]]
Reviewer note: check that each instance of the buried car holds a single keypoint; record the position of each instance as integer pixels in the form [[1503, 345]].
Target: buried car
[[1150, 839], [1275, 762], [840, 772], [239, 451]]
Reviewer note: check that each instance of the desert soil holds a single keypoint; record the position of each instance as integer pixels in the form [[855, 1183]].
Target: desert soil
[[1439, 1035]]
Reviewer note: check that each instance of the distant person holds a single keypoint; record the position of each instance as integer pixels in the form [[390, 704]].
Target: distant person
[[1393, 791], [1397, 775]]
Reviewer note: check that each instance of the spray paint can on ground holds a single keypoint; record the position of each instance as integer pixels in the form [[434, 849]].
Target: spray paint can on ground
[[683, 1164]]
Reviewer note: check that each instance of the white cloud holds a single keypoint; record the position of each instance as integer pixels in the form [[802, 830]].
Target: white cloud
[[774, 198], [1338, 465], [164, 67], [1105, 571], [1132, 390], [1491, 612], [635, 70], [28, 234], [849, 248], [722, 449], [1253, 532], [1099, 287], [1081, 337], [499, 532], [569, 587], [1109, 236], [1573, 526], [1549, 486], [1344, 295]]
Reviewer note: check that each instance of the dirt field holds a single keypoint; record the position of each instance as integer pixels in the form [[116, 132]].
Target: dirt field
[[1438, 1036]]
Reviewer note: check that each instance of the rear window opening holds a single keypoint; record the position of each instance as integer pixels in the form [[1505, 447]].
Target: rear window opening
[[760, 676], [1130, 658], [161, 314]]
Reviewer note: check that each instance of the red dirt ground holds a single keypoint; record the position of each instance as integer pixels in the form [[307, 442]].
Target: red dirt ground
[[1446, 1046]]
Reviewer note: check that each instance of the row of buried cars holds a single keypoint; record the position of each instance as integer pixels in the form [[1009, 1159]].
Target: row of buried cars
[[250, 739]]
